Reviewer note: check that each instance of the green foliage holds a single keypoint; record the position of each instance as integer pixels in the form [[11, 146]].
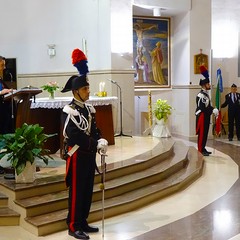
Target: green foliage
[[162, 110], [24, 145], [51, 87]]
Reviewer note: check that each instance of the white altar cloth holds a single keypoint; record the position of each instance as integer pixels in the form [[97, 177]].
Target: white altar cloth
[[60, 102]]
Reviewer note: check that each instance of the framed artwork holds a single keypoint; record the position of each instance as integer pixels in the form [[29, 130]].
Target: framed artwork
[[199, 60], [151, 52]]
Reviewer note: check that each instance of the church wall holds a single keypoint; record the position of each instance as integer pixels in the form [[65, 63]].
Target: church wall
[[31, 25]]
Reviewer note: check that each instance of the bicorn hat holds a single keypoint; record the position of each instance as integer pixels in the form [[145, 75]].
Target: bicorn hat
[[75, 82], [204, 81], [205, 73]]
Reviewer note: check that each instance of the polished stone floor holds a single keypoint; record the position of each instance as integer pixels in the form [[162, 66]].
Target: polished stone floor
[[208, 209]]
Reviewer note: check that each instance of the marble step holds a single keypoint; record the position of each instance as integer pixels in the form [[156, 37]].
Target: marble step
[[161, 169], [159, 153], [42, 185], [58, 200], [8, 217], [3, 200], [56, 183], [126, 202]]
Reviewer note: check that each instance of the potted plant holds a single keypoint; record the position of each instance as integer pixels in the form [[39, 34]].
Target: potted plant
[[23, 146], [161, 111]]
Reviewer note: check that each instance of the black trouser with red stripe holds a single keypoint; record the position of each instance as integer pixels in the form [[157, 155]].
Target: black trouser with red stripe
[[202, 128], [80, 179], [233, 116]]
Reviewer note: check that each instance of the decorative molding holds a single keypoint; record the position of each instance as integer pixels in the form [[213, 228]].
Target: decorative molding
[[96, 72], [186, 87]]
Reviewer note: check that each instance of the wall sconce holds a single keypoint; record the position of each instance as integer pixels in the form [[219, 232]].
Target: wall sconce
[[51, 50], [157, 12]]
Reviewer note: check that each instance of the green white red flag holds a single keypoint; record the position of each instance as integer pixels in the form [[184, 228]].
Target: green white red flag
[[219, 90]]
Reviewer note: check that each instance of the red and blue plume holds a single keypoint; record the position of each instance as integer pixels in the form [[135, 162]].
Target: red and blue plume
[[79, 60], [204, 71]]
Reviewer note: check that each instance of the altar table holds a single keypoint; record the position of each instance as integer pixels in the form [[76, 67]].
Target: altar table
[[47, 113]]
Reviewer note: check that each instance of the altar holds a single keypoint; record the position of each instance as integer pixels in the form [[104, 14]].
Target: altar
[[47, 113]]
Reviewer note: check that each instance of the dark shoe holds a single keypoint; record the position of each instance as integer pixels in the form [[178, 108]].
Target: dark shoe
[[204, 153], [230, 139], [90, 229], [207, 151], [78, 234]]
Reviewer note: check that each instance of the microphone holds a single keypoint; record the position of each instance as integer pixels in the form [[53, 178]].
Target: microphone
[[11, 76], [112, 81]]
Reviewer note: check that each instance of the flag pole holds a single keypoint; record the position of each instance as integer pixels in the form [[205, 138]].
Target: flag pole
[[214, 121]]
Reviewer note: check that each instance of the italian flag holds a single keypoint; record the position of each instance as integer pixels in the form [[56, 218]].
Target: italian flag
[[219, 90]]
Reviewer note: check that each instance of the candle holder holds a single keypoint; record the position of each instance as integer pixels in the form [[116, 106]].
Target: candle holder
[[102, 94]]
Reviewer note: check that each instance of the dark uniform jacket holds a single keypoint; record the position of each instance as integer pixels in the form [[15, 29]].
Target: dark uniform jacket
[[203, 113], [203, 104]]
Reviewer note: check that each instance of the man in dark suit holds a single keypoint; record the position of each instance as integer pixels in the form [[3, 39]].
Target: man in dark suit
[[232, 100]]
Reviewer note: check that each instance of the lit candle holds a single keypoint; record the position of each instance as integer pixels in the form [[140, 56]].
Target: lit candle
[[100, 87], [103, 86]]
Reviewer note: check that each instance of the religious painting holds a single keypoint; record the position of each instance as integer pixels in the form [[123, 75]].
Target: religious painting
[[151, 52], [200, 60]]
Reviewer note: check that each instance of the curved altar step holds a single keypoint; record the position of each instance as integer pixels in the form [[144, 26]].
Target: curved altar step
[[169, 167]]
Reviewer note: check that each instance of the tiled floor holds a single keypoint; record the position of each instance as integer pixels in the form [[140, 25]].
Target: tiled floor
[[189, 214]]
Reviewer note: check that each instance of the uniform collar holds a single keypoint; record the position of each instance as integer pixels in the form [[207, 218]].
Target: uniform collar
[[204, 90], [78, 102]]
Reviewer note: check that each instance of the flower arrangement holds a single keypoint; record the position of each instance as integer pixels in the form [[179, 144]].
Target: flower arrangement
[[162, 109], [51, 87]]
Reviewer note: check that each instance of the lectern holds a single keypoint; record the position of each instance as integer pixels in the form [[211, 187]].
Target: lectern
[[22, 97]]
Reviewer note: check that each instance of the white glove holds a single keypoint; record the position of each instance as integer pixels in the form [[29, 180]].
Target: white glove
[[215, 112], [102, 145]]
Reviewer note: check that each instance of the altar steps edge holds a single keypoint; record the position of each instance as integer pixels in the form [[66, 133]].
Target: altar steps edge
[[127, 182], [177, 169]]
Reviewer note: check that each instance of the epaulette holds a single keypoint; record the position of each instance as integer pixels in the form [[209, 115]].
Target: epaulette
[[200, 94], [70, 109]]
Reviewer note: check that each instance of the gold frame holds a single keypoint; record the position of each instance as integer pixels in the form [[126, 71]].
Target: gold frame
[[199, 60], [150, 32]]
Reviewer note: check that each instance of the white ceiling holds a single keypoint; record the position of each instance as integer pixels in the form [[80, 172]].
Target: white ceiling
[[174, 7], [168, 8]]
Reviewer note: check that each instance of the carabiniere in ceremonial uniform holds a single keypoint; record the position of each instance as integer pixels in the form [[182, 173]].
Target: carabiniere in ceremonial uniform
[[203, 113], [83, 140]]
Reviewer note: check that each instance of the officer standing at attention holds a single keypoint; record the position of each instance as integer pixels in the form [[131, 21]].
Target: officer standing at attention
[[232, 100], [203, 113], [83, 141]]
